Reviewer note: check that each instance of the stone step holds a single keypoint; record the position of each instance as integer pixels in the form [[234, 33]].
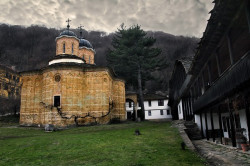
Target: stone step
[[192, 130]]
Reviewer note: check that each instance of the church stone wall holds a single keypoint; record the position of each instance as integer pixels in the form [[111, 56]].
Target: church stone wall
[[30, 99], [87, 55], [82, 92], [68, 45], [119, 100]]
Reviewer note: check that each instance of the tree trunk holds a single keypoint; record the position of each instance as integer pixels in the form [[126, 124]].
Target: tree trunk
[[140, 90]]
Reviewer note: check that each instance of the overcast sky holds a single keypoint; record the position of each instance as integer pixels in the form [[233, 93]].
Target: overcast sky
[[178, 17]]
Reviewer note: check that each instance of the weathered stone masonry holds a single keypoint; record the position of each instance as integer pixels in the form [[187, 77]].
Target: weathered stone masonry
[[82, 92], [71, 90]]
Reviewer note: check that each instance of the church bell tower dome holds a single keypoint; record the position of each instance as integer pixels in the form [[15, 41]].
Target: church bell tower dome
[[67, 48], [86, 50], [71, 49], [67, 33], [85, 43]]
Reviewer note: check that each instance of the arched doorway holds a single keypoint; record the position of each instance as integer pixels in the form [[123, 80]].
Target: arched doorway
[[130, 109]]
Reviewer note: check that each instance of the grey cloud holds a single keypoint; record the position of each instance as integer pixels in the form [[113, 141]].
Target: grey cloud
[[179, 17]]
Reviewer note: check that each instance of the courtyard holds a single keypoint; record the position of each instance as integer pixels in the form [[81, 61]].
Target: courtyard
[[115, 144]]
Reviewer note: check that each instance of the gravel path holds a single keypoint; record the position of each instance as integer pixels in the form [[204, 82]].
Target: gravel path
[[220, 155]]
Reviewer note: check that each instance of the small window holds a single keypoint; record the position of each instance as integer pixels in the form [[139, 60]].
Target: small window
[[14, 78], [57, 101], [72, 48], [63, 47], [57, 78], [17, 80], [149, 113], [0, 86], [7, 75], [149, 103], [168, 112], [160, 102], [161, 112]]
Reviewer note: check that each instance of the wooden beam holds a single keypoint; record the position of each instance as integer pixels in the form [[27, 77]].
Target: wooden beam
[[203, 83], [218, 62], [229, 43]]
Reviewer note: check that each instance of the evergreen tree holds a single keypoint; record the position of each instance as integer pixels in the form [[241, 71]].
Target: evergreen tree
[[133, 57]]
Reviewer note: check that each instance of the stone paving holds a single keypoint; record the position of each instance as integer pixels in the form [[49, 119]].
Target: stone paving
[[215, 154]]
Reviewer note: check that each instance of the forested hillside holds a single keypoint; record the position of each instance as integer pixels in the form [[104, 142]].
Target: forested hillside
[[26, 48]]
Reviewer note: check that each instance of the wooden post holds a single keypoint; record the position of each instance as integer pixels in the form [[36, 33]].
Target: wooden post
[[232, 125], [212, 125], [202, 134], [206, 126], [136, 108], [247, 115], [186, 108], [183, 108], [220, 124], [191, 109], [191, 100]]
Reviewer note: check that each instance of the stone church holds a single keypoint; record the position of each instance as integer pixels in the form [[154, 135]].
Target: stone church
[[71, 89]]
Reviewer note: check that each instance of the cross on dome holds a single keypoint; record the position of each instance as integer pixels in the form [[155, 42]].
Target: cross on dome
[[68, 23], [80, 29]]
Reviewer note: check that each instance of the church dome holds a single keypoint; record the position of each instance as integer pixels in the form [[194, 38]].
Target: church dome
[[85, 43], [67, 33]]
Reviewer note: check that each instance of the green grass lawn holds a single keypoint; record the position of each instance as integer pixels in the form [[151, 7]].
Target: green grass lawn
[[108, 145]]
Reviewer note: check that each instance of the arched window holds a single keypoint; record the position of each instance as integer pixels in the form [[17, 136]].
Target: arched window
[[72, 48], [63, 47]]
